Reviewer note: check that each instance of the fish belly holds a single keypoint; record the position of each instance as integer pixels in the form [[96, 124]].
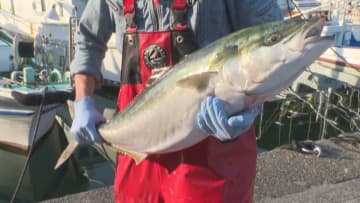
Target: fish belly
[[164, 125]]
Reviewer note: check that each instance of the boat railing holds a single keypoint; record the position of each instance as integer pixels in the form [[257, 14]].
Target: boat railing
[[345, 12], [307, 12], [341, 11]]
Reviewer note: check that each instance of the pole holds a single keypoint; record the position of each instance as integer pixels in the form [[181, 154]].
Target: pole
[[12, 7]]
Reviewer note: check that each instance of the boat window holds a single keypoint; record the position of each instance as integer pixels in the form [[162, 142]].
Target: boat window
[[5, 40], [4, 43]]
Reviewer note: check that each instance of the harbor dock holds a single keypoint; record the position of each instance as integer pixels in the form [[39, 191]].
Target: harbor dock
[[289, 176], [285, 175]]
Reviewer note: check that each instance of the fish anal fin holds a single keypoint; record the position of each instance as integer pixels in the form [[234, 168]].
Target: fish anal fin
[[137, 156], [198, 81]]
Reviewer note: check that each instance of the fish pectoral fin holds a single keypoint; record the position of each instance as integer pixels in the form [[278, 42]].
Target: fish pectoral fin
[[137, 156], [198, 81]]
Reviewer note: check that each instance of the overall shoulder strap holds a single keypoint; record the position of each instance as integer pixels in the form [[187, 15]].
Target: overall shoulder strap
[[129, 14], [179, 8], [125, 8]]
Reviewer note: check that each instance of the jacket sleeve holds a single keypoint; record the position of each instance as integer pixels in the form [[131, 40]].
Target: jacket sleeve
[[95, 29], [245, 13]]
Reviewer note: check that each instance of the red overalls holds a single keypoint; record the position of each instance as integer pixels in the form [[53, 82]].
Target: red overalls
[[207, 172]]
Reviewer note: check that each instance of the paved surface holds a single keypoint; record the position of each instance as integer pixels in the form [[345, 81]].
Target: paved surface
[[289, 176], [346, 192], [102, 195]]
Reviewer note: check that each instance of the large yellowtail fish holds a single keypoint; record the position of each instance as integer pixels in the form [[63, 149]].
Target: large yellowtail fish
[[244, 69]]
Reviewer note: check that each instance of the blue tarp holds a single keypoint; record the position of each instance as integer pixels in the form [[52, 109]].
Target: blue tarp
[[354, 41]]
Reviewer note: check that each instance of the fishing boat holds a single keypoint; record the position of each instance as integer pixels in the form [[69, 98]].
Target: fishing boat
[[19, 86], [18, 120], [39, 182], [324, 100], [57, 21], [340, 64], [306, 4]]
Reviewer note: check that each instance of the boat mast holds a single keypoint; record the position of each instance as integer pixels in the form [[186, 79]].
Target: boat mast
[[12, 7], [43, 6]]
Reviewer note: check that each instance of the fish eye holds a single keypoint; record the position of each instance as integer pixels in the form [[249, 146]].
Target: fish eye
[[272, 39]]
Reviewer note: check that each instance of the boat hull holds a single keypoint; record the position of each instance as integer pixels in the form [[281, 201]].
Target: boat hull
[[17, 130], [18, 121]]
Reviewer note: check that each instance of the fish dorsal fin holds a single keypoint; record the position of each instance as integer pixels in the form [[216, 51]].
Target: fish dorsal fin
[[198, 81], [137, 156], [156, 74]]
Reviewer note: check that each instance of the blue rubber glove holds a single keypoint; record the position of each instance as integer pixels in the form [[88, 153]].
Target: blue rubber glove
[[86, 118], [213, 119]]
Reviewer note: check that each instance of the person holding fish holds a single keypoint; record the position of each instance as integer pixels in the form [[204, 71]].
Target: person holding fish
[[157, 34]]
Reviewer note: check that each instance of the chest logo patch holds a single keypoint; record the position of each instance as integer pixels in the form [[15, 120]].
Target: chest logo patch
[[155, 56]]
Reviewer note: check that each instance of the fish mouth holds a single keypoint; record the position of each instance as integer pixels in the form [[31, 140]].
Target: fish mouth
[[312, 33]]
